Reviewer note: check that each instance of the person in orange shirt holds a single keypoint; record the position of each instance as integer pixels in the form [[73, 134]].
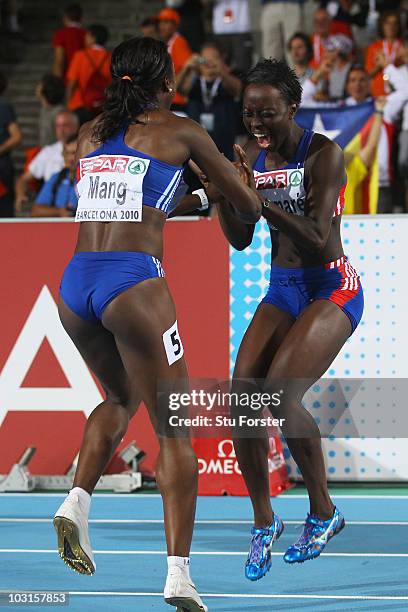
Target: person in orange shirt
[[177, 46], [383, 52], [89, 74]]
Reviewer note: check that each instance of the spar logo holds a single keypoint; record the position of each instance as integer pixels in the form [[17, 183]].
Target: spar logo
[[137, 166], [295, 178], [225, 462], [278, 179], [104, 163]]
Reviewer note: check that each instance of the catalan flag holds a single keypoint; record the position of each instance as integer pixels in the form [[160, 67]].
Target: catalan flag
[[349, 126]]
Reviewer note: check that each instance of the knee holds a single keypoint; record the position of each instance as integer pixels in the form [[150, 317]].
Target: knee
[[285, 396]]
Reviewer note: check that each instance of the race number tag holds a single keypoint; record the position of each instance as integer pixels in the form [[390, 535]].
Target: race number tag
[[110, 188], [172, 344]]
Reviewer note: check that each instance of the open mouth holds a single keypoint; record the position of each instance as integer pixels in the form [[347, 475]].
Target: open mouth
[[263, 140]]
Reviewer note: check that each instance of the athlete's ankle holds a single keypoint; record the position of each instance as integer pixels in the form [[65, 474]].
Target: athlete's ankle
[[84, 498], [324, 513], [263, 521], [181, 562]]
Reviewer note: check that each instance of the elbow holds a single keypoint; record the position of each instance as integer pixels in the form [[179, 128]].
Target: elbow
[[252, 216]]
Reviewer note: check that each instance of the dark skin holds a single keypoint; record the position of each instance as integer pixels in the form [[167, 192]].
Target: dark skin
[[289, 354], [126, 351]]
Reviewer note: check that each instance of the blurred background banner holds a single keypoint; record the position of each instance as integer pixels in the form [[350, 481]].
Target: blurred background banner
[[350, 127]]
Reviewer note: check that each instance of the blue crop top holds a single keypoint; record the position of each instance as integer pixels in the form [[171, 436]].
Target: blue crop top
[[116, 178]]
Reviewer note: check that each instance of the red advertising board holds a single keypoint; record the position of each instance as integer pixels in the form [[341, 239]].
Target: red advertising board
[[46, 391]]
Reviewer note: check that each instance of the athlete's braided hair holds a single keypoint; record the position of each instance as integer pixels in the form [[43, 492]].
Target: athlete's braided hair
[[146, 63], [279, 75]]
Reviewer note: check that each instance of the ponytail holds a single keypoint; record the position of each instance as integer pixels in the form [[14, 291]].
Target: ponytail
[[139, 67]]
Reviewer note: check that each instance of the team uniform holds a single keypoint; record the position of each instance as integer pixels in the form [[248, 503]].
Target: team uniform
[[293, 289], [114, 183]]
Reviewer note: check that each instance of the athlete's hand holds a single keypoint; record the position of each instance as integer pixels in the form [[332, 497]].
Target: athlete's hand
[[213, 194], [244, 167]]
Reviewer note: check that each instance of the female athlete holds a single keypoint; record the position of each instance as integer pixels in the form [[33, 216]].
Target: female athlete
[[114, 300], [313, 304]]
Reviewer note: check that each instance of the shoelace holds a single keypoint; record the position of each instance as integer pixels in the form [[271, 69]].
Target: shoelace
[[256, 548], [257, 545], [308, 531]]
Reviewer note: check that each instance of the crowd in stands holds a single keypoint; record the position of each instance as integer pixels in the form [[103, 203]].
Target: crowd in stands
[[355, 52]]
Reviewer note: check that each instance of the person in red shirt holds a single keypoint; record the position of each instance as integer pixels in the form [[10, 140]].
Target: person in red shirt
[[324, 27], [89, 74], [67, 40], [177, 46], [384, 51]]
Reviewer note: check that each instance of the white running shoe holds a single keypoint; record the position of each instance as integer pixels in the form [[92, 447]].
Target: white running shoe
[[181, 592], [74, 547]]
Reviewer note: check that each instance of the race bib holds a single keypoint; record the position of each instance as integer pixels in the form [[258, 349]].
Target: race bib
[[110, 188]]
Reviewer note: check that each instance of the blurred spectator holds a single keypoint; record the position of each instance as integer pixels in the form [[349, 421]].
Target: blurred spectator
[[232, 27], [398, 78], [89, 74], [9, 15], [212, 90], [339, 47], [191, 21], [10, 137], [358, 91], [68, 40], [301, 53], [51, 94], [49, 160], [322, 30], [279, 21], [57, 197], [344, 16], [384, 51], [178, 47], [148, 27]]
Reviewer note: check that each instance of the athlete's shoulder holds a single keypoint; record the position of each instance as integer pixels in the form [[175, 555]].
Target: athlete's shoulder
[[320, 144], [324, 155], [86, 140]]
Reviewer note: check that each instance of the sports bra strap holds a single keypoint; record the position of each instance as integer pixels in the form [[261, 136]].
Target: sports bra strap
[[303, 148]]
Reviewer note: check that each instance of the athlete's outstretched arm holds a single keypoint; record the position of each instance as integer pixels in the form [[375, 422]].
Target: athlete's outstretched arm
[[325, 175], [221, 172], [238, 234]]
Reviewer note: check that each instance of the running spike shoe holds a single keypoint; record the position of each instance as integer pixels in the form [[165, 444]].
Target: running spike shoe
[[316, 534], [74, 547], [260, 558], [181, 593]]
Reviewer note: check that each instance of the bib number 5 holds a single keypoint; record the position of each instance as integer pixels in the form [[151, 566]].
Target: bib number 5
[[172, 344]]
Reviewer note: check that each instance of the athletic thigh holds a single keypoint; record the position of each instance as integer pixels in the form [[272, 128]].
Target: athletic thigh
[[98, 348], [310, 346], [262, 339], [138, 318]]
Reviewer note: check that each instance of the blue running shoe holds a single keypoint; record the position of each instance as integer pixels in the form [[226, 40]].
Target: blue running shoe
[[316, 534], [259, 558]]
